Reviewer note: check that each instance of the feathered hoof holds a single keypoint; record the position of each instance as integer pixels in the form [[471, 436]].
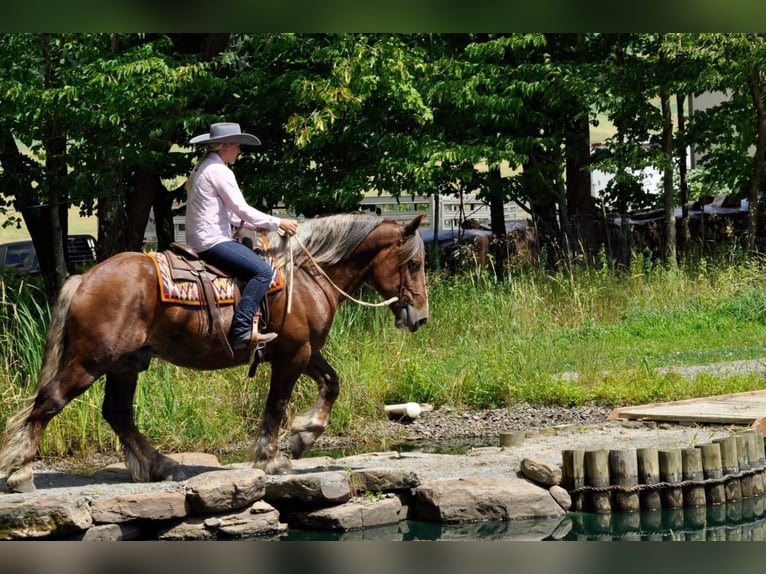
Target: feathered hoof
[[300, 442], [278, 465], [21, 480]]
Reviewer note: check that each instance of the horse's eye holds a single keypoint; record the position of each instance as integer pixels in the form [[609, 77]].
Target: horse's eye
[[414, 265]]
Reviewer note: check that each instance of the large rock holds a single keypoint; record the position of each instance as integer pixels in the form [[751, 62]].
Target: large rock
[[151, 505], [353, 515], [483, 498], [308, 490], [25, 516], [383, 480], [260, 519], [224, 490]]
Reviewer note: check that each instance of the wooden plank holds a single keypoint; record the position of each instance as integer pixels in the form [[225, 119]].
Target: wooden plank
[[735, 408]]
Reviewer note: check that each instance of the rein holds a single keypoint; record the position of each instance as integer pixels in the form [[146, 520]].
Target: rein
[[385, 303]]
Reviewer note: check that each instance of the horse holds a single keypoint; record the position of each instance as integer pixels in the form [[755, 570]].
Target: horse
[[111, 321]]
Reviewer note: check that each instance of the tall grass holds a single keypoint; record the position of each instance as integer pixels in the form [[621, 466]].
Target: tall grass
[[487, 344]]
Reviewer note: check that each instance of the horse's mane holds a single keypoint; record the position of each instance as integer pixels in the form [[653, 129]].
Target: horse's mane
[[332, 238]]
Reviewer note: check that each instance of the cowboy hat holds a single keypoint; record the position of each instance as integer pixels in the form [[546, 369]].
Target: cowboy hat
[[226, 132]]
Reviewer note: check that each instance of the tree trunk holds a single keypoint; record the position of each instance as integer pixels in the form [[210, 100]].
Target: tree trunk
[[756, 91], [497, 221], [667, 180], [579, 199], [55, 269], [683, 184], [147, 186]]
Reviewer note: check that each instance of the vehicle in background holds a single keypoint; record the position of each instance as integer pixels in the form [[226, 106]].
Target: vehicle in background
[[22, 257]]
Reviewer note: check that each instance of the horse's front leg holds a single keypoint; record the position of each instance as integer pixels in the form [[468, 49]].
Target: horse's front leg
[[307, 428], [284, 374]]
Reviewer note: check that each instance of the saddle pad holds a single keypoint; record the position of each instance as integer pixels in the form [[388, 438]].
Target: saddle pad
[[187, 292]]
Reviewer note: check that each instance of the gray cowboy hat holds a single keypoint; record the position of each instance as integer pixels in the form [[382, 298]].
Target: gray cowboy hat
[[226, 132]]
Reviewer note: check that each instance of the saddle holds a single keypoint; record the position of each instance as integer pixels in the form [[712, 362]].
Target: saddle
[[186, 279]]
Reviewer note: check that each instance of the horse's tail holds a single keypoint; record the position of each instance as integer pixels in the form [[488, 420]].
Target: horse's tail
[[13, 442], [54, 343]]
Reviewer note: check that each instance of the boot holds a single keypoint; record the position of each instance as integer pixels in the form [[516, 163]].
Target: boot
[[254, 338], [258, 338]]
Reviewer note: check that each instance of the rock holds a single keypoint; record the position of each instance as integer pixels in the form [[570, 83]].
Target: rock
[[311, 489], [261, 521], [561, 496], [249, 523], [541, 472], [353, 515], [24, 516], [202, 459], [224, 490], [152, 505], [482, 498], [383, 480], [112, 533]]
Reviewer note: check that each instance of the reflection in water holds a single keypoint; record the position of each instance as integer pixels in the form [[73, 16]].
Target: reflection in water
[[743, 520]]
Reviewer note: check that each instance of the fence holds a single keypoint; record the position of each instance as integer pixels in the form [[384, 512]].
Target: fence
[[728, 469]]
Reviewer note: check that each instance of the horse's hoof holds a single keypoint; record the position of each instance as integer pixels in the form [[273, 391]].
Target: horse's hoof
[[300, 442], [278, 465], [21, 481], [167, 469]]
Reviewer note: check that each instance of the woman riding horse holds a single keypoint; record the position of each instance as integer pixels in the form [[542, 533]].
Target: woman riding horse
[[215, 203]]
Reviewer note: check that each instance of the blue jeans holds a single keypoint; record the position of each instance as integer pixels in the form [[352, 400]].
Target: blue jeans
[[241, 261]]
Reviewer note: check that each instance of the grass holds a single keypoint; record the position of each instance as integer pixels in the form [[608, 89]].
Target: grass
[[77, 225], [487, 344]]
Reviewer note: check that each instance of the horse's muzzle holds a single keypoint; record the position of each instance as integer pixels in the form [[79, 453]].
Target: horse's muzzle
[[411, 318]]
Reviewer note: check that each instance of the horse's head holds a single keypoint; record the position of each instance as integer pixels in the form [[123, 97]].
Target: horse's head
[[400, 272]]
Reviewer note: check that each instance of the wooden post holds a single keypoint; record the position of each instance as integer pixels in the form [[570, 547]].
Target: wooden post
[[573, 475], [623, 471], [711, 466], [671, 472], [649, 473], [754, 445], [691, 463], [597, 475], [743, 455], [730, 461], [514, 438]]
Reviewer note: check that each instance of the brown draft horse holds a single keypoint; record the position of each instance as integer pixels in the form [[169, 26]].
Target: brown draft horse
[[110, 321]]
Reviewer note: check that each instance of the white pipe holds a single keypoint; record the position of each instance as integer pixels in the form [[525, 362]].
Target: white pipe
[[411, 410]]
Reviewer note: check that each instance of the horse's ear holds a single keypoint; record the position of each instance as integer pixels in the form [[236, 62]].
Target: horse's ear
[[412, 226]]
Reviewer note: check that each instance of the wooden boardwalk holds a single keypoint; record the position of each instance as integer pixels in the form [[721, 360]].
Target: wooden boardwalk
[[748, 409]]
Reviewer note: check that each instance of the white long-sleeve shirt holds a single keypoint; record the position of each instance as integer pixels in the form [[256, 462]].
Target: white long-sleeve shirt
[[215, 203]]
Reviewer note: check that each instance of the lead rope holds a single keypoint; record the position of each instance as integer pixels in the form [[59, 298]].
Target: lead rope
[[385, 303]]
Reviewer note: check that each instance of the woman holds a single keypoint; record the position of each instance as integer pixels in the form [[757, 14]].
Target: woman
[[215, 204]]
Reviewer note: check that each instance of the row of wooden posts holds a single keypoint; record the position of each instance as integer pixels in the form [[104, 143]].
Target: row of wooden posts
[[727, 469]]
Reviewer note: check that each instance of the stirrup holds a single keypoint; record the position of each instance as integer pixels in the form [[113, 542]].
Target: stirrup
[[257, 338]]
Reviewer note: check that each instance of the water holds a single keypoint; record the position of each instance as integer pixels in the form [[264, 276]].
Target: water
[[733, 521]]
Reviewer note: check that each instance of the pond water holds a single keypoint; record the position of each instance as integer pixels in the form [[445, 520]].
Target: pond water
[[733, 521]]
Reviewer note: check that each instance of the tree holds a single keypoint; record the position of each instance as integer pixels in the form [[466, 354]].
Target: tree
[[731, 137]]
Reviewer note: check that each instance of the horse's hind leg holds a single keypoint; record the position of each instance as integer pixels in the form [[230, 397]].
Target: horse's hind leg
[[144, 463], [24, 431], [306, 429]]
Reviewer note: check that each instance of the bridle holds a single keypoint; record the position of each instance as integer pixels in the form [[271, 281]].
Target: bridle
[[322, 272]]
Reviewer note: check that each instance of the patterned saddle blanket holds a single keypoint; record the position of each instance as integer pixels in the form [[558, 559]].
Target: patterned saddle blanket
[[179, 279]]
